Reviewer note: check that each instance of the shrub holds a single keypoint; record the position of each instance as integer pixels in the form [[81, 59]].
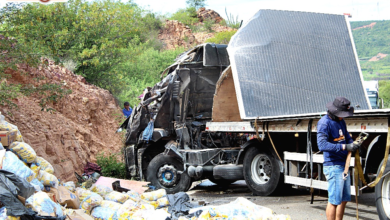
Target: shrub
[[232, 21], [186, 16], [111, 167], [221, 37]]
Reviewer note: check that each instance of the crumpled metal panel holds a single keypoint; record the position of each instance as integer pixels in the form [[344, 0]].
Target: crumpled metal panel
[[292, 63], [215, 55]]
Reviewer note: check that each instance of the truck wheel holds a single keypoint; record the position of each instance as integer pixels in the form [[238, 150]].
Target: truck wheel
[[261, 172], [163, 173], [382, 194]]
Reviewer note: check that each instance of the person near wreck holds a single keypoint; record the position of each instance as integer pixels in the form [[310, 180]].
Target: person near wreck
[[335, 142], [127, 110]]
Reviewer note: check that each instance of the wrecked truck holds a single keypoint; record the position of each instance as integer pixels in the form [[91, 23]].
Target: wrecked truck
[[249, 110]]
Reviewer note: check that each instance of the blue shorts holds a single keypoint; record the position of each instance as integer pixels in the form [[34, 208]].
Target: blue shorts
[[339, 190]]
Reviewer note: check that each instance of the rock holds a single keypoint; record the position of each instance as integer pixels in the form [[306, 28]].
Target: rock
[[208, 14], [175, 34]]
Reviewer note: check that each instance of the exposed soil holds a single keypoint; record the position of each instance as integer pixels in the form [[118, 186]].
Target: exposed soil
[[82, 125], [366, 26], [379, 56]]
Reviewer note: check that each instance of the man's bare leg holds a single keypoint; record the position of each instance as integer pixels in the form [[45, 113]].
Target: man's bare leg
[[331, 211], [340, 211]]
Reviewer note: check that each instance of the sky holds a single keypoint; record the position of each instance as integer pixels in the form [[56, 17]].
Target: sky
[[360, 10]]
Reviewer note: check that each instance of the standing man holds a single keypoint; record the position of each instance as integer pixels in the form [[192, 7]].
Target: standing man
[[334, 141], [127, 110]]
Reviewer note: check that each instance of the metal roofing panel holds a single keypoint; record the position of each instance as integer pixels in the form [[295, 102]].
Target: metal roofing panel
[[291, 63]]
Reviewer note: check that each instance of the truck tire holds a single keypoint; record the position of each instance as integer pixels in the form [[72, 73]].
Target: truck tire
[[163, 173], [382, 194], [261, 172]]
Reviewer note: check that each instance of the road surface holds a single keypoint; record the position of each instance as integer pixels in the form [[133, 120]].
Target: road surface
[[294, 202]]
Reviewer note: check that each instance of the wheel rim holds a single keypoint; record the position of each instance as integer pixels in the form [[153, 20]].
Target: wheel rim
[[261, 169], [386, 195], [167, 175]]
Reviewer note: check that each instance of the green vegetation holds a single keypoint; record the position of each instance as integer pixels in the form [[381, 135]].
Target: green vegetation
[[186, 16], [231, 21], [113, 44], [111, 167], [369, 42], [221, 37]]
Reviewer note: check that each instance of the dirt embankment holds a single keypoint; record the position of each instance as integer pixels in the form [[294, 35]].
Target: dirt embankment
[[82, 126]]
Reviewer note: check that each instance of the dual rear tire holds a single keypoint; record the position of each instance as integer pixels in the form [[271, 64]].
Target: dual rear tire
[[261, 172]]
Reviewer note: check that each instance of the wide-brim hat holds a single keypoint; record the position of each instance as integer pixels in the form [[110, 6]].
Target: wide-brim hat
[[340, 107]]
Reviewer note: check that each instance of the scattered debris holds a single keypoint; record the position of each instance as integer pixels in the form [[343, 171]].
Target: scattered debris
[[29, 190]]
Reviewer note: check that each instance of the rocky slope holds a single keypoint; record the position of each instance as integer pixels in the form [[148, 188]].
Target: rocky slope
[[176, 34], [82, 126]]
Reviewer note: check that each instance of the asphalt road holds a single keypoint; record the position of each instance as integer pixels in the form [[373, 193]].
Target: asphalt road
[[293, 202]]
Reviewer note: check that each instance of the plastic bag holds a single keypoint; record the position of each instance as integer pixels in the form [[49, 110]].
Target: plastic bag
[[126, 210], [3, 215], [18, 135], [35, 169], [12, 164], [133, 195], [68, 211], [100, 189], [83, 193], [91, 202], [1, 146], [147, 206], [24, 151], [117, 197], [48, 179], [44, 165], [144, 204], [240, 208], [43, 205], [37, 185], [150, 215], [163, 202], [110, 204], [70, 186], [153, 196], [6, 126], [103, 213]]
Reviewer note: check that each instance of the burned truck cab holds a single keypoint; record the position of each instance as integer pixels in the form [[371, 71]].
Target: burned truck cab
[[165, 133]]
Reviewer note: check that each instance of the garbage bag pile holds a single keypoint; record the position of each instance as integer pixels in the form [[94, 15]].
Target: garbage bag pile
[[30, 190]]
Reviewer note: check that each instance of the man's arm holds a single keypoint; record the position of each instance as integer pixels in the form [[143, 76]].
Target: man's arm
[[322, 140]]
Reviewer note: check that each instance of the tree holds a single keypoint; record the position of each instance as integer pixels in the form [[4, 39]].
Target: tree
[[94, 35], [196, 4]]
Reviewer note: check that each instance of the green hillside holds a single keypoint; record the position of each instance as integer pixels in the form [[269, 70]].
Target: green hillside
[[369, 42]]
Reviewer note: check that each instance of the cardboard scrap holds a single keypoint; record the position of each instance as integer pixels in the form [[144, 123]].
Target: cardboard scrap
[[79, 214], [137, 186], [66, 197], [7, 137], [53, 194]]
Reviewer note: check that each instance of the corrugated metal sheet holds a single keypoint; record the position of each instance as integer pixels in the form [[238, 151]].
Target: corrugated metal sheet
[[292, 63]]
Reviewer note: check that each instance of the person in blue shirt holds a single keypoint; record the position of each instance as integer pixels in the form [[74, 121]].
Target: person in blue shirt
[[334, 141], [127, 110]]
